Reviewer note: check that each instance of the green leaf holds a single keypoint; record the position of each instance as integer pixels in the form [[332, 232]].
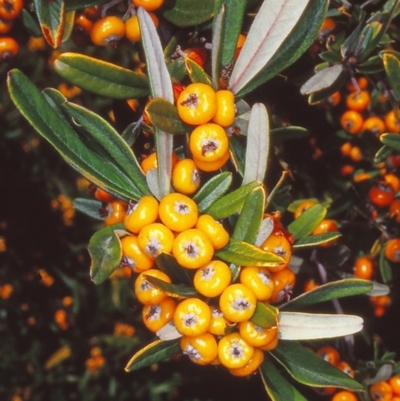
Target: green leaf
[[249, 221], [172, 290], [257, 147], [177, 69], [157, 351], [51, 18], [307, 222], [372, 65], [385, 268], [391, 140], [308, 368], [328, 292], [101, 77], [231, 203], [212, 190], [30, 23], [50, 122], [392, 69], [196, 73], [281, 134], [164, 116], [322, 79], [184, 13], [318, 239], [105, 251], [350, 45], [178, 274], [278, 388], [310, 326], [81, 4], [296, 43], [273, 23], [217, 41], [244, 254], [68, 25], [90, 207], [265, 315]]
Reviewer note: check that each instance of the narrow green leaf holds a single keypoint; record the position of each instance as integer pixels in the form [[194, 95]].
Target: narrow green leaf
[[308, 368], [265, 315], [231, 203], [384, 152], [105, 251], [283, 133], [350, 45], [272, 24], [322, 79], [90, 207], [385, 268], [257, 147], [184, 13], [249, 221], [392, 69], [101, 77], [391, 140], [307, 222], [81, 4], [328, 292], [51, 16], [212, 190], [217, 41], [244, 254], [157, 351], [276, 385], [30, 23], [172, 290], [318, 239], [196, 73], [68, 25], [164, 116], [168, 264]]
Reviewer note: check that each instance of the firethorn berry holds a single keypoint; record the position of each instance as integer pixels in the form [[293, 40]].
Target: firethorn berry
[[218, 323], [255, 361], [225, 115], [192, 248], [334, 99], [151, 162], [197, 104], [352, 121], [381, 194], [362, 83], [239, 45], [208, 142], [327, 26], [283, 284], [201, 349], [107, 31], [132, 27], [93, 12], [374, 124], [83, 23], [141, 213], [157, 316], [115, 212], [9, 48], [392, 250], [310, 285], [148, 5], [345, 368], [393, 180], [5, 26], [10, 9], [303, 207], [238, 303], [155, 238], [133, 256], [258, 279], [185, 177], [358, 101], [346, 148], [364, 267], [178, 212], [103, 196], [356, 154], [271, 345], [392, 122], [394, 209], [211, 279], [394, 383], [326, 226], [233, 351], [212, 166], [147, 293], [215, 231], [330, 354], [192, 317], [255, 335], [344, 395], [278, 244], [381, 391]]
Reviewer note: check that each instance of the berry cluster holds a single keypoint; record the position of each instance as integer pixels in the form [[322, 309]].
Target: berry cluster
[[386, 390], [9, 10]]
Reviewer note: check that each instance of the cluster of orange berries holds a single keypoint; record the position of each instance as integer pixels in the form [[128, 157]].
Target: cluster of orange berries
[[96, 360], [65, 205], [110, 29], [386, 390], [9, 10], [124, 330]]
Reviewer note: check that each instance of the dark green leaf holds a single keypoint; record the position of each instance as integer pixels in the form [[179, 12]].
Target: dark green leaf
[[331, 57], [383, 153], [307, 222], [30, 23], [350, 45], [184, 13], [392, 69], [157, 351], [212, 190], [384, 268], [308, 368], [168, 264], [265, 315], [248, 224], [391, 140], [314, 240], [105, 252], [278, 388], [196, 73], [177, 70], [231, 203], [281, 134], [81, 4], [217, 47], [328, 292], [244, 254], [172, 290], [164, 116], [372, 65], [323, 94], [90, 207], [51, 18], [101, 77]]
